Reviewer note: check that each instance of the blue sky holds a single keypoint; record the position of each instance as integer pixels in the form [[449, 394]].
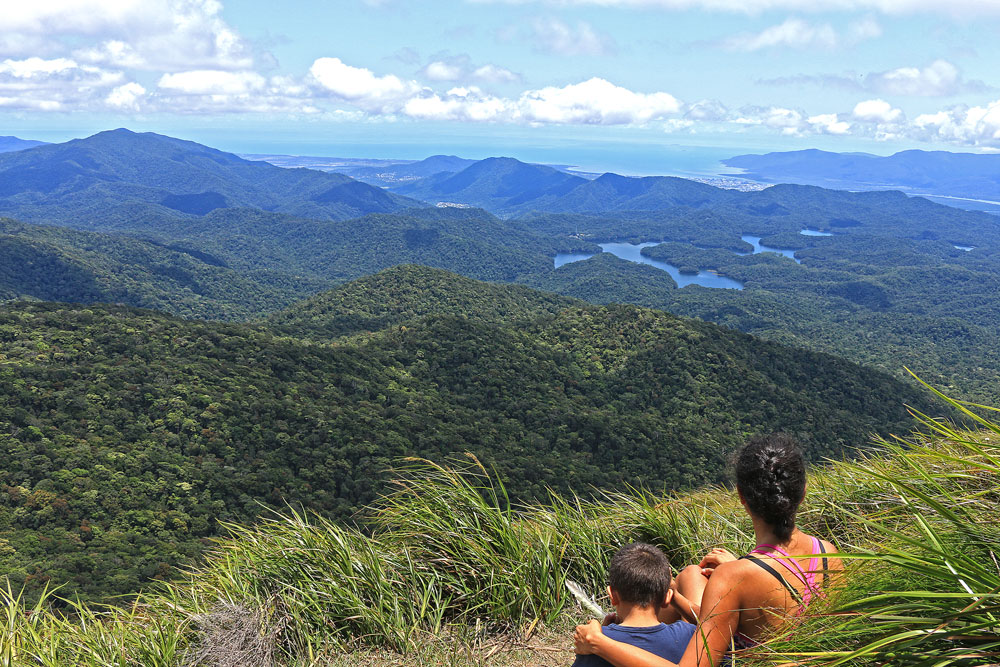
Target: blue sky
[[537, 79]]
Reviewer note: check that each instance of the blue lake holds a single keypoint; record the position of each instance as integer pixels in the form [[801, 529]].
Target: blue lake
[[633, 253], [758, 247]]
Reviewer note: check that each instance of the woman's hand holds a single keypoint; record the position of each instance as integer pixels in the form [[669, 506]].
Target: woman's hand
[[713, 559], [587, 638]]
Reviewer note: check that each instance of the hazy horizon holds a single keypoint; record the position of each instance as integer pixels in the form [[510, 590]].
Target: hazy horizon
[[365, 77]]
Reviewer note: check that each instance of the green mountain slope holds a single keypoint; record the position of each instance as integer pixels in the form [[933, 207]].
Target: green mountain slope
[[411, 292], [126, 435], [507, 186], [469, 241], [611, 192], [97, 182], [605, 279], [57, 264]]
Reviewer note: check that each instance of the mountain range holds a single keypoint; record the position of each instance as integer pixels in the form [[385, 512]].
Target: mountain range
[[97, 182], [887, 277], [506, 186], [923, 172], [127, 434], [10, 144]]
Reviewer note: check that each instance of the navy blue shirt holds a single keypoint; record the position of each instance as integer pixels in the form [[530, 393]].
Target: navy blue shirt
[[666, 641]]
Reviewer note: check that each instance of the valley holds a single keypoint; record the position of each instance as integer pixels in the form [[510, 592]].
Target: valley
[[308, 331]]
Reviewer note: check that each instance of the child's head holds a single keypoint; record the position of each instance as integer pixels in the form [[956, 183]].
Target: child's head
[[639, 575]]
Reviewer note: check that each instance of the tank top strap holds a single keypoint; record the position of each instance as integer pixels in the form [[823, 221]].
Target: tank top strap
[[789, 563], [817, 548]]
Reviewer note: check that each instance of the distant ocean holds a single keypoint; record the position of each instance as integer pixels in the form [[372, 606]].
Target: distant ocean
[[626, 158], [669, 160]]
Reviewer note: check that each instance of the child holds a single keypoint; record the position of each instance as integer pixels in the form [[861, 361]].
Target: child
[[639, 585]]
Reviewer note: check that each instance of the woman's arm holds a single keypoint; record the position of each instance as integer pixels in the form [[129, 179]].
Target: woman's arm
[[721, 616], [590, 639]]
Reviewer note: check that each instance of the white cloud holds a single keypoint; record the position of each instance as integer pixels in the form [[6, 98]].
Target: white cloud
[[30, 68], [551, 35], [220, 91], [866, 28], [164, 35], [939, 79], [495, 74], [789, 121], [32, 104], [213, 82], [798, 34], [876, 111], [970, 126], [795, 33], [53, 84], [113, 51], [595, 101], [461, 104], [708, 110], [361, 86], [442, 71], [126, 97], [460, 68], [954, 8], [829, 123]]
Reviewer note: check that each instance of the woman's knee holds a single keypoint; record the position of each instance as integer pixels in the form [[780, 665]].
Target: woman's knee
[[691, 577]]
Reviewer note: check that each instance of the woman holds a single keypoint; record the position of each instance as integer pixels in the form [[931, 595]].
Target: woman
[[739, 601]]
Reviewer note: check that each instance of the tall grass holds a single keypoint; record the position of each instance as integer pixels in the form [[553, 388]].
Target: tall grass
[[448, 557], [924, 521]]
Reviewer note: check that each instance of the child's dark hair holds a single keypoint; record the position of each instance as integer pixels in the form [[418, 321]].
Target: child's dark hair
[[640, 574], [771, 475]]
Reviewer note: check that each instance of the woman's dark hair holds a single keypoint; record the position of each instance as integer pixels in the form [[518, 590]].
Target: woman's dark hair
[[771, 475]]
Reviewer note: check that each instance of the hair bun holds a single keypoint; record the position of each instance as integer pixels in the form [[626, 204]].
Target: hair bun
[[770, 473]]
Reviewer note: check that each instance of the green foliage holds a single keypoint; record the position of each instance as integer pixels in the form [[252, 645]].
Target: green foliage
[[605, 278], [472, 242], [449, 554], [925, 540], [127, 435], [58, 264], [407, 293]]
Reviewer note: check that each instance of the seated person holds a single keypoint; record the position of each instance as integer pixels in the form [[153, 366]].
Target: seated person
[[639, 586], [739, 602]]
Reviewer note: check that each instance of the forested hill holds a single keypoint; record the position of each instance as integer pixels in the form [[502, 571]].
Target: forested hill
[[91, 182], [507, 186], [409, 292], [127, 435], [47, 263]]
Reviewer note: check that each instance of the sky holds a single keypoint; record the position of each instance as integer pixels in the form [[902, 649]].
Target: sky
[[567, 81]]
